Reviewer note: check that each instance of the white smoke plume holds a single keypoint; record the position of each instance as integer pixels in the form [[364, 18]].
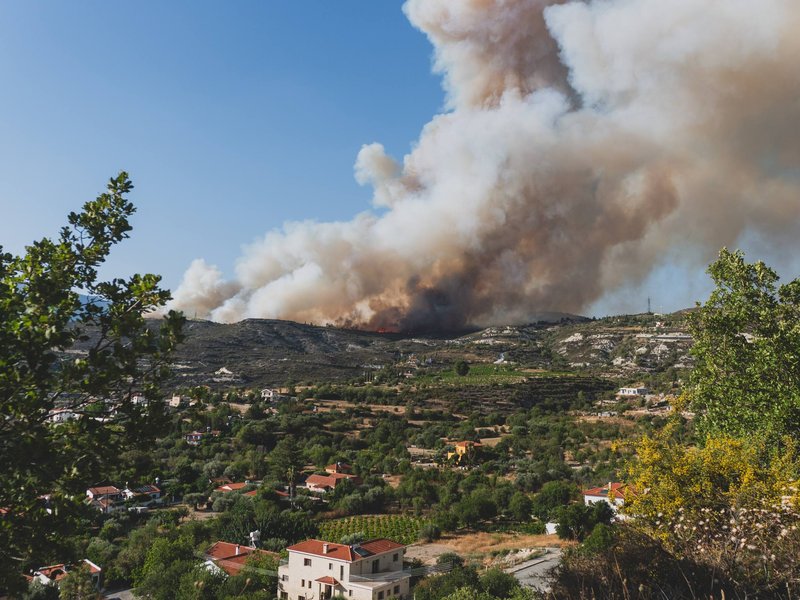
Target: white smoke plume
[[582, 140]]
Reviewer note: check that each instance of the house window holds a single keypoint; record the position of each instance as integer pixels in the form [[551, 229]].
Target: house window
[[330, 566], [306, 562], [395, 557], [341, 571], [397, 589], [380, 595], [284, 596], [309, 584], [302, 583]]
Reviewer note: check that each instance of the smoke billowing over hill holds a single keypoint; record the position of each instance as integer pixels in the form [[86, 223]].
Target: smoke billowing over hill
[[582, 141]]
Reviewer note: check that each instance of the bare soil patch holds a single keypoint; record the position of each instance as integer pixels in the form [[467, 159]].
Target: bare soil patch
[[480, 545]]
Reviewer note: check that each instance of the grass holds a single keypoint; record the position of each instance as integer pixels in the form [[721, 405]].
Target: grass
[[483, 374]]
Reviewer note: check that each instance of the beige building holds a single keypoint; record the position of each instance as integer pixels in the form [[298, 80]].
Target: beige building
[[317, 570]]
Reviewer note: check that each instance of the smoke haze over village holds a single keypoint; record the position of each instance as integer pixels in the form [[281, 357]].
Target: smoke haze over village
[[580, 145]]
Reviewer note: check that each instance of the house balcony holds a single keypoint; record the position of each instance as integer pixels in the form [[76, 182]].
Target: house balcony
[[382, 577]]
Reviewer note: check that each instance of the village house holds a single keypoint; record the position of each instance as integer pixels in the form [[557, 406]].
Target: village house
[[146, 494], [109, 498], [464, 450], [631, 392], [233, 487], [61, 415], [177, 401], [325, 483], [339, 467], [53, 574], [272, 394], [195, 437], [613, 493], [231, 558], [371, 570]]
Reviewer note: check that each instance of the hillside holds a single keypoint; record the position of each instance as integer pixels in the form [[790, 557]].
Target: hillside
[[270, 352]]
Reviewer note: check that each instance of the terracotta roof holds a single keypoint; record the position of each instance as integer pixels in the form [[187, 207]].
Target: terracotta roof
[[617, 491], [226, 550], [53, 572], [327, 580], [344, 552], [339, 467], [93, 568], [336, 551], [225, 556], [231, 487], [103, 490], [380, 545], [330, 480]]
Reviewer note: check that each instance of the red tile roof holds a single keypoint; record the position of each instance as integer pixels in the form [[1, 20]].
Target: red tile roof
[[618, 491], [232, 558], [54, 572], [467, 443], [343, 551], [104, 490], [381, 545], [339, 467], [327, 580], [337, 551], [231, 487], [331, 480], [93, 568]]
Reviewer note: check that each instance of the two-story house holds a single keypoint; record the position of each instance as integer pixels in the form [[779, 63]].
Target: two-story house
[[317, 570]]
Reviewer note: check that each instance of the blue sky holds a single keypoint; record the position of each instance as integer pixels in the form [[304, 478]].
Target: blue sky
[[231, 117]]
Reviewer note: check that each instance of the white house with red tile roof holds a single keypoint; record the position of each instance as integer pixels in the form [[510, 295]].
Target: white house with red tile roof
[[232, 487], [145, 494], [231, 558], [105, 491], [613, 493], [371, 570], [339, 467], [195, 437], [325, 483], [53, 574]]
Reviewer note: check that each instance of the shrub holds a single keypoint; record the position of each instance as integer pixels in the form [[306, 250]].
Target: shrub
[[429, 532]]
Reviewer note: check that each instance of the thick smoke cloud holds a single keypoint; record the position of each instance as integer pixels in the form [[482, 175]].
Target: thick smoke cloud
[[582, 141]]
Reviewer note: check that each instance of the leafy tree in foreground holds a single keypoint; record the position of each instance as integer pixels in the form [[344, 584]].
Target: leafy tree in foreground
[[86, 355], [747, 347]]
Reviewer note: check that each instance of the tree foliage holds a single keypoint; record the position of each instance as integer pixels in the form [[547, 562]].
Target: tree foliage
[[747, 346], [71, 341]]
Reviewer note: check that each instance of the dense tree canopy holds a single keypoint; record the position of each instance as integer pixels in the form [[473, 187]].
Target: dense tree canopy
[[71, 342], [747, 348]]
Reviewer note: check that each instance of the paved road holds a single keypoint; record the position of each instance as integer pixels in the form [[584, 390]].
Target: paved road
[[121, 594], [533, 573]]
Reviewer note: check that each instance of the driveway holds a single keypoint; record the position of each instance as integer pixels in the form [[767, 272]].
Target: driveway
[[533, 573]]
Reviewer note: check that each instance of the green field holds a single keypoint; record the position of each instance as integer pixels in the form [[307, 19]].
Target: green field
[[479, 374], [400, 528]]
